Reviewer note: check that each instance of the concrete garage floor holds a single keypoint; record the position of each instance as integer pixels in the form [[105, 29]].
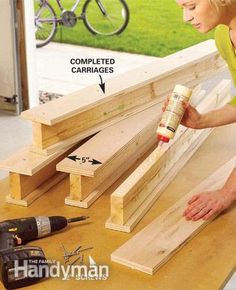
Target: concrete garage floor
[[54, 68], [15, 133], [231, 284], [54, 75]]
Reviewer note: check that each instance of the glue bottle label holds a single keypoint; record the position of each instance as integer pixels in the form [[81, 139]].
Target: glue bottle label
[[174, 112]]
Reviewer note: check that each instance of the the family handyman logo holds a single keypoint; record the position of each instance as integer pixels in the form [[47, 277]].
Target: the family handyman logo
[[54, 269]]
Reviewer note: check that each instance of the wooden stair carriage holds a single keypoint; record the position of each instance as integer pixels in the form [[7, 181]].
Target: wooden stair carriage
[[67, 120], [31, 175]]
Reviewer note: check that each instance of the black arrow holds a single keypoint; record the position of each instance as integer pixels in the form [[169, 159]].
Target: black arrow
[[102, 84], [95, 162], [74, 158]]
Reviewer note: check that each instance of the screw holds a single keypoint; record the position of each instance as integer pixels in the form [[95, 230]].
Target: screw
[[72, 263], [76, 253]]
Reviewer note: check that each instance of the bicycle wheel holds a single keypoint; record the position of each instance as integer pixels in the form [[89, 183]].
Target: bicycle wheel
[[105, 17], [45, 23]]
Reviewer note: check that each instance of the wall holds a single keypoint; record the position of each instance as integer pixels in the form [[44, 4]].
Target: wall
[[31, 53], [7, 83]]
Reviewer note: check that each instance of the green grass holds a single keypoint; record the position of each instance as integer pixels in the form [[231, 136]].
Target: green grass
[[156, 28]]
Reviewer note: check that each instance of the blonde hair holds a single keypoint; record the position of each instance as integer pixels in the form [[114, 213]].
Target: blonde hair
[[222, 2]]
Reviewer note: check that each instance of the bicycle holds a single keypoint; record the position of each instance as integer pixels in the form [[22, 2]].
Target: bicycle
[[103, 17]]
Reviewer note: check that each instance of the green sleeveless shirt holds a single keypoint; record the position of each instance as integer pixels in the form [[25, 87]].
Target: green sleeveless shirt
[[227, 51]]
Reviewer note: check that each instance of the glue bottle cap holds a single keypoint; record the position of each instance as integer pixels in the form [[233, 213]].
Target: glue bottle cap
[[182, 90], [163, 138]]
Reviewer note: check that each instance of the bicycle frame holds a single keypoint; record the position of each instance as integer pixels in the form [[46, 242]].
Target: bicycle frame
[[74, 7]]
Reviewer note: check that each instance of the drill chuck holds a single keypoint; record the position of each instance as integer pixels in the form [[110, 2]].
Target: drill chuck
[[47, 225]]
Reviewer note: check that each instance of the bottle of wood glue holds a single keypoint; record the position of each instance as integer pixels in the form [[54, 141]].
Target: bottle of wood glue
[[173, 114]]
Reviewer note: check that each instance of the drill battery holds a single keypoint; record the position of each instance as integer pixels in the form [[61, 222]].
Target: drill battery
[[22, 266]]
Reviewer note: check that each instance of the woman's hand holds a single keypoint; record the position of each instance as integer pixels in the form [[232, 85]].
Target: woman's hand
[[207, 204], [191, 117]]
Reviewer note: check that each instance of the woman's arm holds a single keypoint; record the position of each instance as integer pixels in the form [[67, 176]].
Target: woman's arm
[[222, 116]]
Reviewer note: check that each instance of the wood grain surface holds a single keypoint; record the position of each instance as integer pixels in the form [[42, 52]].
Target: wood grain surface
[[205, 263]]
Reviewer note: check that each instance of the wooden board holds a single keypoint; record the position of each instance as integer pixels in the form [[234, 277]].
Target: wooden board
[[118, 166], [140, 92], [64, 108], [130, 195], [22, 185], [25, 189], [79, 197], [113, 142], [168, 233], [36, 193], [28, 163]]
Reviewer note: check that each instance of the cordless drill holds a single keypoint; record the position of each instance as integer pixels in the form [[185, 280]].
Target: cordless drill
[[17, 232]]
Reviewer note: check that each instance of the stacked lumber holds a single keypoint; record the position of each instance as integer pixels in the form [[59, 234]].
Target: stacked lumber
[[153, 246], [134, 197], [67, 120], [61, 126], [117, 148]]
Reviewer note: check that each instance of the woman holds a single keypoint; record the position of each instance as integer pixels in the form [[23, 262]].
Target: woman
[[205, 15]]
